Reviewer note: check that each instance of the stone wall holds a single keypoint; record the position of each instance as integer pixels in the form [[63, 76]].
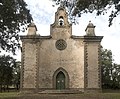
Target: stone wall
[[92, 65], [71, 59], [29, 65]]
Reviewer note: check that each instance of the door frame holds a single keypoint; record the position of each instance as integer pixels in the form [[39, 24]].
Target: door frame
[[66, 77]]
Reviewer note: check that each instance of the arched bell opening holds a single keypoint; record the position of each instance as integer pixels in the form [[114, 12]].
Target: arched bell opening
[[61, 21]]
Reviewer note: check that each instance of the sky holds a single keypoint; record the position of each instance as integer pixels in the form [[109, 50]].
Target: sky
[[44, 13]]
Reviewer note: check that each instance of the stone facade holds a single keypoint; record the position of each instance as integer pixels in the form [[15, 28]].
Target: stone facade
[[60, 61]]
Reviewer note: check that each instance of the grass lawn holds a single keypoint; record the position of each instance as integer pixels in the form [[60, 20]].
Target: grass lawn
[[8, 95], [14, 95]]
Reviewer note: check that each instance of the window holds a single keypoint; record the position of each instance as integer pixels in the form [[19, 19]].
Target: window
[[61, 44], [61, 21]]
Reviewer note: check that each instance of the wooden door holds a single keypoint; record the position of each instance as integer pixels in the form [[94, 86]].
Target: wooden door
[[60, 81]]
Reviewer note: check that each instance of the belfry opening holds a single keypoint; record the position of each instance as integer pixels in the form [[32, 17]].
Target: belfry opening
[[61, 21]]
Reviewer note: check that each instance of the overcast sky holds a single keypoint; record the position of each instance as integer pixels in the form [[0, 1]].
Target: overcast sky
[[43, 15]]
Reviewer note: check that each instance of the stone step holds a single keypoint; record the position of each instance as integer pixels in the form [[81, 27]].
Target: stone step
[[64, 96], [60, 92]]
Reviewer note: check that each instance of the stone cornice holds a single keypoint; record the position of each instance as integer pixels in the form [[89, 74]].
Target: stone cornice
[[88, 38], [35, 37], [85, 38], [93, 38]]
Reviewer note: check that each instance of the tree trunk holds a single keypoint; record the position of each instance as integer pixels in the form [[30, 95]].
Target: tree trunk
[[8, 88]]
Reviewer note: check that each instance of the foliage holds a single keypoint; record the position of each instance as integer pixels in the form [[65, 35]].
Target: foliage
[[77, 7], [8, 69], [16, 75], [110, 71], [13, 17]]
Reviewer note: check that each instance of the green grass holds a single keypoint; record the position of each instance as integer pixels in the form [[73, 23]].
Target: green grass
[[103, 96], [14, 95], [8, 95]]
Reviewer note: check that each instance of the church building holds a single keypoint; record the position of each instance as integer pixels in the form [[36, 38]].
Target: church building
[[61, 62]]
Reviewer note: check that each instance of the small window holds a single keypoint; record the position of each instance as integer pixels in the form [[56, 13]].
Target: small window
[[61, 21]]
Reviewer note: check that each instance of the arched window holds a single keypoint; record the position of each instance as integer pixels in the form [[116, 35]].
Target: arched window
[[61, 21]]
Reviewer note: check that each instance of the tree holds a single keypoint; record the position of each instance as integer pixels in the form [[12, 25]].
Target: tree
[[16, 75], [115, 76], [13, 16], [77, 7], [110, 71], [106, 67], [7, 64]]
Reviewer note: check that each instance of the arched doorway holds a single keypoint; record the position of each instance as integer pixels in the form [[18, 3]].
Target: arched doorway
[[60, 81]]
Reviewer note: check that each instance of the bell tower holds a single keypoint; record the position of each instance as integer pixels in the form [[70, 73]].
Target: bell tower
[[61, 28]]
